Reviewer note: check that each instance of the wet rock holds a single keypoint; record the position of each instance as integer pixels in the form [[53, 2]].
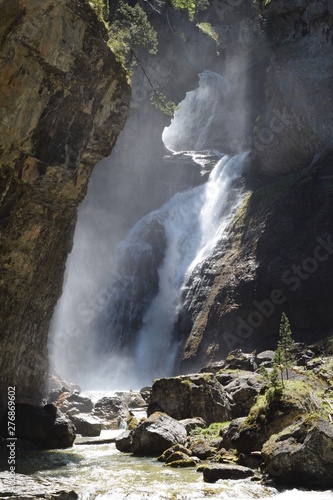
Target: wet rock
[[185, 462], [192, 423], [67, 401], [187, 396], [124, 442], [154, 435], [177, 448], [225, 377], [202, 448], [176, 456], [86, 425], [214, 472], [109, 409], [45, 426], [302, 454]]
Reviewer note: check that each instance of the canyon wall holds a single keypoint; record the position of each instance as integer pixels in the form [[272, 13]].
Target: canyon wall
[[63, 101], [279, 251]]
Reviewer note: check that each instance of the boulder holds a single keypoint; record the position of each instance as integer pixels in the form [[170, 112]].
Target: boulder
[[193, 423], [239, 360], [176, 456], [214, 472], [302, 454], [67, 401], [243, 391], [201, 448], [186, 462], [109, 409], [86, 425], [177, 448], [153, 436], [231, 432], [124, 442], [271, 414], [45, 426], [188, 396], [265, 358]]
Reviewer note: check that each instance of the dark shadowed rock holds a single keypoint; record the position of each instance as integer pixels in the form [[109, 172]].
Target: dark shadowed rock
[[45, 426], [124, 442], [187, 396], [302, 454], [214, 472], [153, 436]]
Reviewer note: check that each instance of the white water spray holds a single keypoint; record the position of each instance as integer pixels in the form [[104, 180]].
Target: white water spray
[[121, 329]]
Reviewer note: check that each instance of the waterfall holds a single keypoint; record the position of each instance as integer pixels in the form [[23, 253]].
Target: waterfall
[[118, 331]]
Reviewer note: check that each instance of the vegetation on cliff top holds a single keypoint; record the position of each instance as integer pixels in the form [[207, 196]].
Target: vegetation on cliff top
[[131, 35]]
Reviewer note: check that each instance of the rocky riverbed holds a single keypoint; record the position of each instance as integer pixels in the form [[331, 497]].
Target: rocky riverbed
[[223, 422]]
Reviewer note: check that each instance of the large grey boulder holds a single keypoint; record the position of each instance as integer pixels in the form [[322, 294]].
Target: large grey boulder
[[86, 425], [243, 391], [153, 436], [302, 454], [188, 396], [110, 409]]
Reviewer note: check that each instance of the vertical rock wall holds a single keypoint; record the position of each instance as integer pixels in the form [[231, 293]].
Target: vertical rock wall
[[63, 101]]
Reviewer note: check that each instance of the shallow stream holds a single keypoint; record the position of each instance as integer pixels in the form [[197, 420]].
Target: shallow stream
[[102, 472]]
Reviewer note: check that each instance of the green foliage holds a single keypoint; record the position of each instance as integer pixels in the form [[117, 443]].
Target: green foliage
[[208, 29], [101, 7], [131, 30], [272, 378], [159, 100], [192, 6], [286, 345], [213, 431]]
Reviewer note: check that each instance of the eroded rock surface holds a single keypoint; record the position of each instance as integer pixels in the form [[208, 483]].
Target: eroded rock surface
[[63, 102], [302, 454], [153, 436]]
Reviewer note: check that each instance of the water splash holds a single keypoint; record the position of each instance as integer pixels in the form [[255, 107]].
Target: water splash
[[113, 327]]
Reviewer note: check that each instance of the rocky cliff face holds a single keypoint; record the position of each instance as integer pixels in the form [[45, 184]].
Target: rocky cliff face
[[280, 244], [297, 119], [64, 100]]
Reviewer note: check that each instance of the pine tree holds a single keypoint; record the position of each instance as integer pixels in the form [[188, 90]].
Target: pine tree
[[286, 345]]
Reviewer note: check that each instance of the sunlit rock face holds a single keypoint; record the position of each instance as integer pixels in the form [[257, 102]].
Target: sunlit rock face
[[63, 102]]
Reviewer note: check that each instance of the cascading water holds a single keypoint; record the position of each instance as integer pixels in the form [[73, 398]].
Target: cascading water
[[123, 336]]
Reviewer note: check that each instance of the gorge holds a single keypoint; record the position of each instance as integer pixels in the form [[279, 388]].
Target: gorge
[[136, 245]]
